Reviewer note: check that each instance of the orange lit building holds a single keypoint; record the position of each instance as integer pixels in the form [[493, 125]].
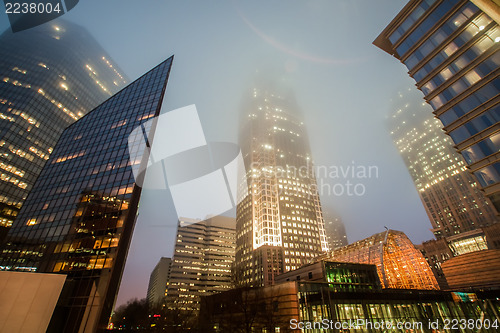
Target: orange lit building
[[399, 264]]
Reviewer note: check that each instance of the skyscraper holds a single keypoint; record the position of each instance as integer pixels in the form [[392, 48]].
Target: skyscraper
[[79, 217], [158, 282], [279, 224], [449, 193], [399, 264], [335, 231], [451, 49], [50, 76], [201, 265]]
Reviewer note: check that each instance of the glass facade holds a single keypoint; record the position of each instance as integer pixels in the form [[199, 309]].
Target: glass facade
[[412, 310], [452, 52], [316, 307], [279, 224], [348, 276], [79, 217], [50, 76], [449, 193]]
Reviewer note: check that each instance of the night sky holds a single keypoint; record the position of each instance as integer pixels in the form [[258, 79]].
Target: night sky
[[322, 49]]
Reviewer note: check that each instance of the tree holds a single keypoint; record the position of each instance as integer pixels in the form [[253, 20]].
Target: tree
[[137, 315], [132, 316]]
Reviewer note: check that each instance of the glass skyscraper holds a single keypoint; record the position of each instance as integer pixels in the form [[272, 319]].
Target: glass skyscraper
[[79, 217], [449, 193], [451, 49], [50, 76], [279, 224]]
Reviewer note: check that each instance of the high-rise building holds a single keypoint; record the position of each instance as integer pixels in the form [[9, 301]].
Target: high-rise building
[[50, 76], [201, 265], [79, 217], [279, 224], [449, 193], [399, 264], [335, 231], [451, 49], [158, 282]]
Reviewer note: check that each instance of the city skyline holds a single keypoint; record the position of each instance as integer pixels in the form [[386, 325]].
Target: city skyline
[[327, 76], [296, 63]]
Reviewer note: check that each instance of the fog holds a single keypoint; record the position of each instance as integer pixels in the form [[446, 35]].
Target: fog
[[321, 50]]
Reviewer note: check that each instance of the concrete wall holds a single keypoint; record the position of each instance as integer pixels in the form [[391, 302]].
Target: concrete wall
[[27, 300]]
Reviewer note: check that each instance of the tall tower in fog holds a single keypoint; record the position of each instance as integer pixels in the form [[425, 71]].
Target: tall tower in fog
[[279, 224], [449, 193], [335, 230], [450, 49]]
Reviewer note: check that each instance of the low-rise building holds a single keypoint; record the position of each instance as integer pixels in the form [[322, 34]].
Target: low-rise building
[[348, 299], [399, 264], [475, 270]]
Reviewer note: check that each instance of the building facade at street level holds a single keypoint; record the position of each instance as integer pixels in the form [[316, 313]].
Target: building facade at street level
[[449, 193], [451, 49], [79, 217], [478, 270], [203, 255], [158, 282], [436, 252], [279, 224], [348, 293], [247, 309], [50, 76], [335, 230], [399, 264]]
